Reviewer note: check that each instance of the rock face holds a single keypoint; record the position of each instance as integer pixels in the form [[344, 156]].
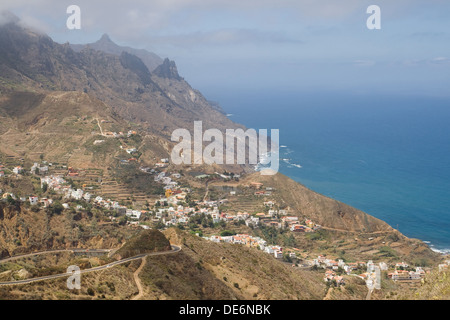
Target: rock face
[[105, 44], [168, 70], [134, 64]]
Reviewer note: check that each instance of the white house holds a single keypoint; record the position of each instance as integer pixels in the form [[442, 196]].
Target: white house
[[33, 200], [18, 170], [403, 265], [133, 214], [46, 202], [77, 194]]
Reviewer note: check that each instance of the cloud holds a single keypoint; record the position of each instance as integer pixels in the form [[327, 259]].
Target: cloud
[[224, 37], [437, 61], [7, 17], [440, 60], [162, 13], [364, 63]]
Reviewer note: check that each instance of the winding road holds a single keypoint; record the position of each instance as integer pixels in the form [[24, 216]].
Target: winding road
[[175, 249], [28, 255]]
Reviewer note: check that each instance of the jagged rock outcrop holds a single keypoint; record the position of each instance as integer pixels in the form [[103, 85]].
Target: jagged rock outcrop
[[167, 70]]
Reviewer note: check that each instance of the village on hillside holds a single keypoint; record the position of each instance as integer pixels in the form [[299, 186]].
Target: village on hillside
[[174, 207]]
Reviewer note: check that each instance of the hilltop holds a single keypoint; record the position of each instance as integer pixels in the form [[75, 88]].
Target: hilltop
[[145, 241]]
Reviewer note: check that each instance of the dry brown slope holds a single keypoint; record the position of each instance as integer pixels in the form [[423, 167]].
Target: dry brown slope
[[207, 270], [321, 209], [202, 270], [61, 125]]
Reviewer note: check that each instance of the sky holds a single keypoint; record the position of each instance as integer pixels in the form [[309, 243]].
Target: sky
[[279, 45]]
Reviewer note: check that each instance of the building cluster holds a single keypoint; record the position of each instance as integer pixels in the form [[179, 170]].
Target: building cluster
[[399, 275], [59, 185], [38, 168], [45, 202], [331, 276], [35, 169], [325, 263], [249, 241], [372, 276], [119, 134], [402, 272], [245, 239]]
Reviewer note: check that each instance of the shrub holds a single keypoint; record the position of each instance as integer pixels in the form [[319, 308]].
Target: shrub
[[226, 233]]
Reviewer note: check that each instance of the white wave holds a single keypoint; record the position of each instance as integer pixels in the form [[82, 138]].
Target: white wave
[[441, 251], [290, 165]]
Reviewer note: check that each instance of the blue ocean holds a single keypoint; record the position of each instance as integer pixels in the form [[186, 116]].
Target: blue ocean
[[386, 155]]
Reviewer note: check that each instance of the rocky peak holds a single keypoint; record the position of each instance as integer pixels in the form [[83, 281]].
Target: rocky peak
[[105, 39], [168, 69]]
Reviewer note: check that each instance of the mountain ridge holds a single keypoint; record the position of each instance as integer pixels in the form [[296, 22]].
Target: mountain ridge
[[105, 44], [29, 60]]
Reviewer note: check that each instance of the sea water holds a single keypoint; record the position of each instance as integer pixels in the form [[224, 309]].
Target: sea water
[[386, 155]]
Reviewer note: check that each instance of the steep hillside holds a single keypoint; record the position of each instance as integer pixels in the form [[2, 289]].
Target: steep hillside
[[24, 230], [201, 270], [345, 232], [325, 211], [249, 273], [435, 286], [60, 125], [30, 61]]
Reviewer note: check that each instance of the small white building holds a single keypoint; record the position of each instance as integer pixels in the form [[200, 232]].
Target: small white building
[[133, 214], [18, 170], [33, 200]]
